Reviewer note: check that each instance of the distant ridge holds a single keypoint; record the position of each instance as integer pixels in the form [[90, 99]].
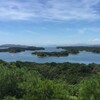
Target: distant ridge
[[13, 45], [24, 46], [87, 45]]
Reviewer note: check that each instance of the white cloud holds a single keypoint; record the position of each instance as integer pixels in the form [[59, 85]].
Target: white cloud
[[94, 40], [49, 9], [88, 30]]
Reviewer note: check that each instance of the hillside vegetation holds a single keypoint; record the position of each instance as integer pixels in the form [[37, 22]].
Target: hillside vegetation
[[49, 81]]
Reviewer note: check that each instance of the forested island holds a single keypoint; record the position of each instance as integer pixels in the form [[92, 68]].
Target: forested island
[[49, 81], [20, 49], [94, 49], [68, 50], [57, 54]]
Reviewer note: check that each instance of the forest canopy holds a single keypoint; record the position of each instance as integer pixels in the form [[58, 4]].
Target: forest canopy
[[49, 81]]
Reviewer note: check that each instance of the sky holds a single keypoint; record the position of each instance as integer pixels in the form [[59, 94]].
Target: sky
[[49, 22]]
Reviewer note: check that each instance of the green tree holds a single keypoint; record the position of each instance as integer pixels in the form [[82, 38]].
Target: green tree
[[90, 89]]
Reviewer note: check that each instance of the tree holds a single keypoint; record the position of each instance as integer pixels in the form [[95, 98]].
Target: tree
[[90, 89]]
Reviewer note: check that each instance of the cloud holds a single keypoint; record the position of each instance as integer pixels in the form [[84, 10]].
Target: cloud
[[14, 10], [89, 30], [49, 10], [94, 40]]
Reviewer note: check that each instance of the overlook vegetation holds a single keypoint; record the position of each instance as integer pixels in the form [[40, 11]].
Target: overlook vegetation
[[49, 81], [20, 49]]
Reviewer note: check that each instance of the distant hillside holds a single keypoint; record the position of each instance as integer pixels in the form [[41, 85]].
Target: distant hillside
[[13, 45]]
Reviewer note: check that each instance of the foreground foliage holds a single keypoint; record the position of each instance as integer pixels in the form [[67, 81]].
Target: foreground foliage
[[49, 81]]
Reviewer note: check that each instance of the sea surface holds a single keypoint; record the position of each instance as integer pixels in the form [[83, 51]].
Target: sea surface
[[82, 57]]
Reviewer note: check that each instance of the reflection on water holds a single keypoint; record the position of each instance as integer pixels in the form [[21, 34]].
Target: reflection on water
[[82, 57]]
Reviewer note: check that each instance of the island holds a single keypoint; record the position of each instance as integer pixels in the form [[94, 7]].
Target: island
[[69, 50], [56, 54], [93, 49], [20, 49]]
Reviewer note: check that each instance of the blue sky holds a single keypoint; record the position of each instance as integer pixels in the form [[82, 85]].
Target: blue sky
[[49, 22]]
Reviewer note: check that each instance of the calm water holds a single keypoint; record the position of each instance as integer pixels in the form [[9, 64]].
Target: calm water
[[82, 57]]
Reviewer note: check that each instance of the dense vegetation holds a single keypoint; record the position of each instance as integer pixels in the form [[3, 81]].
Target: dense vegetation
[[45, 54], [94, 49], [49, 81], [20, 49], [58, 54]]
